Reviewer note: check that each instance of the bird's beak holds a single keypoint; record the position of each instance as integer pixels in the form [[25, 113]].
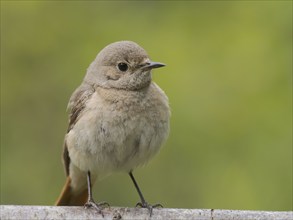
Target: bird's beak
[[152, 65]]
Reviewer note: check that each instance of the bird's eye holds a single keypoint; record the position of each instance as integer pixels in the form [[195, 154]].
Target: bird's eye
[[122, 67]]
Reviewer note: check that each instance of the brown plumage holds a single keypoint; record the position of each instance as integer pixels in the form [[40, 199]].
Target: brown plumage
[[68, 198], [118, 120]]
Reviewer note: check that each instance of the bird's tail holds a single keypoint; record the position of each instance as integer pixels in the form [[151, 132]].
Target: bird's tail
[[70, 198]]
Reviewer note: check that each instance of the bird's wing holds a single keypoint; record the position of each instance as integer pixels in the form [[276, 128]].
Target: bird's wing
[[76, 105]]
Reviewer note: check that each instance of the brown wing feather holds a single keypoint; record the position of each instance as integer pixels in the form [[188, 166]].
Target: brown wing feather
[[76, 105]]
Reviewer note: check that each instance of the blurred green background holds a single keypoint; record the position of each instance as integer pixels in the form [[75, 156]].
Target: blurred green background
[[228, 78]]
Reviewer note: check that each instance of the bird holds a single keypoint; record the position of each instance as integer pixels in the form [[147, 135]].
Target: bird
[[118, 120]]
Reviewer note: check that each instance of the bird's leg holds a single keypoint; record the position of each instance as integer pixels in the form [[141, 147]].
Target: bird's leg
[[91, 202], [143, 202]]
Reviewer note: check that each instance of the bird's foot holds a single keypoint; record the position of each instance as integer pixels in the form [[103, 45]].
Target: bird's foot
[[148, 206], [98, 206]]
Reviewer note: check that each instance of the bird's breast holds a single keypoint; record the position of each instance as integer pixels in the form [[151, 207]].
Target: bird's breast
[[119, 130]]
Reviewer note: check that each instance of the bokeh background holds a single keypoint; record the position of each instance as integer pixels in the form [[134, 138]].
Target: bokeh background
[[228, 78]]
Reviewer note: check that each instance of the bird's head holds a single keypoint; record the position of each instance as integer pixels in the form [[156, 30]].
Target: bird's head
[[122, 65]]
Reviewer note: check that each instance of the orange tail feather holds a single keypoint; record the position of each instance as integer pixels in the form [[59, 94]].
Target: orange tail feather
[[68, 198]]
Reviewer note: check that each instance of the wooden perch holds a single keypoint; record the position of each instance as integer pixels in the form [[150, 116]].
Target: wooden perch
[[72, 212]]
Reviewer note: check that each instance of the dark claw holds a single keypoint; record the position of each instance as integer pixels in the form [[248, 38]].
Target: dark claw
[[148, 206], [104, 204], [97, 206]]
